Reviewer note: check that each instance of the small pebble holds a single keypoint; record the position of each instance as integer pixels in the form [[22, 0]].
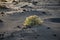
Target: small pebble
[[24, 10], [54, 35], [38, 35], [29, 26], [12, 35], [4, 32], [44, 12], [2, 13], [18, 27], [48, 27], [1, 21], [35, 37], [21, 39], [1, 36], [22, 35]]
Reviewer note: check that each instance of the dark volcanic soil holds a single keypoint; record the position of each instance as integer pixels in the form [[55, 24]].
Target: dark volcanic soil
[[10, 28], [56, 20]]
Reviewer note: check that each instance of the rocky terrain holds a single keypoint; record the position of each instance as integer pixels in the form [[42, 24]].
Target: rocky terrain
[[12, 16]]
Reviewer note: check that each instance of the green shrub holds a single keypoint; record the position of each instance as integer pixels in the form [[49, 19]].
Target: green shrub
[[33, 20]]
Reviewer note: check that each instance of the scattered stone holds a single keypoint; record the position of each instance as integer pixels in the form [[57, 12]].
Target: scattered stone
[[2, 0], [29, 26], [33, 30], [24, 10], [12, 35], [24, 6], [50, 14], [3, 7], [18, 27], [35, 2], [48, 27], [54, 35], [24, 28], [2, 13], [4, 32], [14, 1], [1, 21], [5, 1], [35, 37], [21, 39], [1, 36], [44, 13], [38, 35], [22, 35]]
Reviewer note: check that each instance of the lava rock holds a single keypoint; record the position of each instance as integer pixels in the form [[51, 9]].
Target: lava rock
[[38, 35], [24, 6], [21, 39], [24, 10], [1, 21], [14, 1], [5, 1], [2, 13], [18, 27], [12, 35], [54, 35], [48, 27], [35, 2], [35, 37], [44, 13], [28, 26], [3, 7], [22, 35], [1, 36]]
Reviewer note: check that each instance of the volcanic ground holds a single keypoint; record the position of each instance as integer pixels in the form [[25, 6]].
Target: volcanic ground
[[11, 21]]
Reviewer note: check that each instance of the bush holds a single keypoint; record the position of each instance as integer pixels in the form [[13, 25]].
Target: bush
[[33, 20]]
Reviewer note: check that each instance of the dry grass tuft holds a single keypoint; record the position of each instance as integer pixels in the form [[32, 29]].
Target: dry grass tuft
[[33, 20]]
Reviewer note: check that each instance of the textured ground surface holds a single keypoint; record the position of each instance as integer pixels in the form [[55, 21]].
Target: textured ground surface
[[15, 16]]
